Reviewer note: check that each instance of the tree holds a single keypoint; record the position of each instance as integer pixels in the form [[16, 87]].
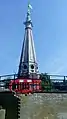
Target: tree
[[46, 82]]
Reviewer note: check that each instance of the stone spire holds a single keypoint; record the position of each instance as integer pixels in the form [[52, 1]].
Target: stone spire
[[28, 64]]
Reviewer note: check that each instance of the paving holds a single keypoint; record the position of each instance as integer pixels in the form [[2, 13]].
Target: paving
[[35, 106], [44, 106]]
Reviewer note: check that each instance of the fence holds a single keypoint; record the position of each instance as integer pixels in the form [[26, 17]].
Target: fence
[[58, 83]]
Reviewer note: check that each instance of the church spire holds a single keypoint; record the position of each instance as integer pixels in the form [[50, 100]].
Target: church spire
[[28, 65]]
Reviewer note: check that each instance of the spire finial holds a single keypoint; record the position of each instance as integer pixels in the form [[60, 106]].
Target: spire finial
[[29, 6], [29, 12]]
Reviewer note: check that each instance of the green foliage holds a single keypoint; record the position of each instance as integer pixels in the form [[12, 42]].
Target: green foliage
[[46, 82], [42, 84]]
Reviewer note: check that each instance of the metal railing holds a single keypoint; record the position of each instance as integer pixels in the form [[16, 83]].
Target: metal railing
[[14, 76], [59, 82]]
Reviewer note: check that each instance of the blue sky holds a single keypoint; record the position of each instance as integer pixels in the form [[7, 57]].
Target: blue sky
[[50, 34]]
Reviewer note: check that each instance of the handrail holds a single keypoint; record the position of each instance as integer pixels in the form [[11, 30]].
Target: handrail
[[14, 76], [56, 75]]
